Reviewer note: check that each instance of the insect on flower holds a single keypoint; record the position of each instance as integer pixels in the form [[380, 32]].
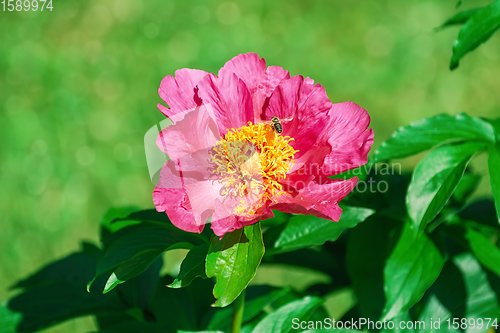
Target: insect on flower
[[277, 125], [253, 139]]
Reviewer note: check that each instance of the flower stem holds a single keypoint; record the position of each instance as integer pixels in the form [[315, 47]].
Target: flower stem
[[239, 305]]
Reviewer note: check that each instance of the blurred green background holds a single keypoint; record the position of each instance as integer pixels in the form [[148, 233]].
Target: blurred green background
[[78, 90]]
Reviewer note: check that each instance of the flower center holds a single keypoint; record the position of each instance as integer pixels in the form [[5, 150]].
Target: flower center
[[250, 161]]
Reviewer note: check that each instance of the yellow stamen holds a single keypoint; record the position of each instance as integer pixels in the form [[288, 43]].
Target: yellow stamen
[[251, 161]]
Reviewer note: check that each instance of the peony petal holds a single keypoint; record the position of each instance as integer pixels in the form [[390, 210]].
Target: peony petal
[[170, 197], [224, 221], [230, 100], [190, 139], [180, 92], [260, 82], [303, 108], [349, 136], [343, 144], [316, 198]]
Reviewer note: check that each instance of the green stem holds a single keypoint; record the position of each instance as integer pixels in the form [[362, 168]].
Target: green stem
[[239, 305]]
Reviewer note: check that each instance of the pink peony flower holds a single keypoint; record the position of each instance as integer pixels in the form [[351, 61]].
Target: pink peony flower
[[228, 164]]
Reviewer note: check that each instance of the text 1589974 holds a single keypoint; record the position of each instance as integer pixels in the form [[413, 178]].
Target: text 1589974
[[26, 5]]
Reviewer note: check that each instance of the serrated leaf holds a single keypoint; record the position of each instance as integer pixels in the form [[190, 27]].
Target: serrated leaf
[[494, 170], [282, 320], [411, 269], [192, 266], [477, 30], [133, 252], [460, 17], [427, 133], [484, 250], [307, 230], [435, 179], [233, 260]]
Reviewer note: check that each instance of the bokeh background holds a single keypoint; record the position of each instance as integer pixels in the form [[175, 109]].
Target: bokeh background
[[78, 91]]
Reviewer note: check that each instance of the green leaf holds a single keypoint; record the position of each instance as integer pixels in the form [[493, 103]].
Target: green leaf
[[477, 30], [467, 185], [482, 301], [411, 269], [233, 260], [307, 230], [192, 266], [405, 316], [184, 308], [494, 169], [339, 330], [460, 17], [151, 215], [281, 320], [368, 247], [9, 320], [57, 293], [431, 132], [114, 214], [463, 290], [484, 250], [445, 299], [435, 179], [135, 250], [200, 332], [253, 306], [131, 268]]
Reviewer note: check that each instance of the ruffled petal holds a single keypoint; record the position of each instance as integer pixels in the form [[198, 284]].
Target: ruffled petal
[[230, 100], [171, 197], [180, 92], [224, 221], [302, 107], [349, 136], [343, 144], [318, 198], [190, 140], [260, 82]]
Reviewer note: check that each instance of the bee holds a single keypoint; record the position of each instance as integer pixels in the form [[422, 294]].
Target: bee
[[277, 125]]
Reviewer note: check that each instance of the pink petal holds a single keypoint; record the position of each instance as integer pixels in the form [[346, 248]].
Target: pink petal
[[260, 82], [190, 140], [318, 198], [230, 100], [179, 92], [349, 136], [342, 145], [223, 221], [169, 196], [302, 107]]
